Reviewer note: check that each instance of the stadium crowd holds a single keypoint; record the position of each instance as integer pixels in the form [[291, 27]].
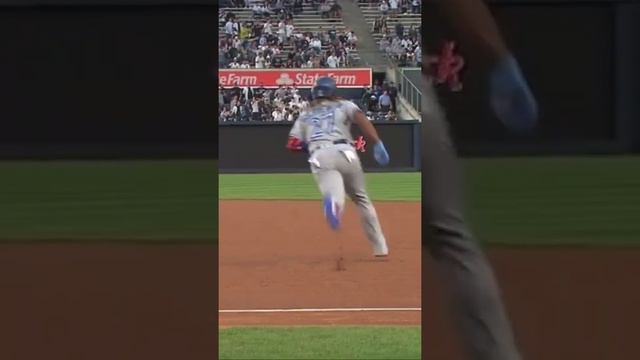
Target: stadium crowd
[[287, 102], [260, 43], [400, 44]]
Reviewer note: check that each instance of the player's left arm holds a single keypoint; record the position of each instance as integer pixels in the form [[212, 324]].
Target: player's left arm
[[510, 95], [379, 151]]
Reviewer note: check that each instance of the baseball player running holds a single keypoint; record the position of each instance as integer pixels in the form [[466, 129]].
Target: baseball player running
[[473, 290], [324, 131]]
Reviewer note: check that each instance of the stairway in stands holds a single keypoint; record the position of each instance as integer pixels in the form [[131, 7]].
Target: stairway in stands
[[308, 20], [371, 13]]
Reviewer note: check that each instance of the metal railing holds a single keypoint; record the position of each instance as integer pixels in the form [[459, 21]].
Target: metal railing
[[409, 90]]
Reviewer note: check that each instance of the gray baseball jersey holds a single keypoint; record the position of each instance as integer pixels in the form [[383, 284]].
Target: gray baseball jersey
[[327, 121], [334, 162]]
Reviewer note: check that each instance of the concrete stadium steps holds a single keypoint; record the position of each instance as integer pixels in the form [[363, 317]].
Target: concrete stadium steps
[[372, 13], [309, 20]]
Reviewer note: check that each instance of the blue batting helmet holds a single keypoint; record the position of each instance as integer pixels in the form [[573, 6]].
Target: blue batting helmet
[[325, 86]]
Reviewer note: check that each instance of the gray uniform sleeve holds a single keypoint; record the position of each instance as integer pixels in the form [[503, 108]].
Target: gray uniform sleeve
[[298, 129], [350, 109]]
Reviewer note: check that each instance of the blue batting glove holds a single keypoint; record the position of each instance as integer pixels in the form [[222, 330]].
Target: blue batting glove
[[380, 154], [511, 97]]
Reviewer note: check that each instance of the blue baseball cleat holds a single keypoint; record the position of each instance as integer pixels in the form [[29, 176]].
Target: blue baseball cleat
[[331, 212]]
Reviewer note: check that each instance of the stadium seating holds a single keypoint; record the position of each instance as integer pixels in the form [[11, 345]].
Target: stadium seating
[[371, 12], [308, 20]]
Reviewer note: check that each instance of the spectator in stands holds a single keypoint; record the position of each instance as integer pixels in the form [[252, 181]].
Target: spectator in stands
[[277, 115], [393, 7], [230, 28], [332, 61], [393, 94], [352, 39], [415, 7], [297, 7], [385, 102], [245, 31], [267, 28], [399, 30], [365, 99], [325, 8], [384, 8], [289, 29], [260, 61], [335, 10], [234, 64], [316, 44], [372, 104]]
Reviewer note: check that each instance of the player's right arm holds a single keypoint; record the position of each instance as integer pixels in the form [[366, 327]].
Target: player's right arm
[[296, 141]]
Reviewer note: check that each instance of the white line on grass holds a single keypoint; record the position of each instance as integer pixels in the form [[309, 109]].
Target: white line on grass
[[317, 310]]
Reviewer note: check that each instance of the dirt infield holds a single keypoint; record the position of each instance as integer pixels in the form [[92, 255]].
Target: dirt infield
[[282, 255], [102, 301], [565, 303]]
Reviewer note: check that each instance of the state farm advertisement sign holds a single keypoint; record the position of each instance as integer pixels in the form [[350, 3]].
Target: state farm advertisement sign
[[303, 78]]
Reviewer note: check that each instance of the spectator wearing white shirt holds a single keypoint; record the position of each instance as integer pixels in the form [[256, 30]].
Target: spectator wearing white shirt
[[384, 7], [277, 115], [255, 109], [316, 44], [406, 43], [228, 28], [234, 64], [289, 28], [393, 6], [245, 65], [260, 61], [332, 61], [267, 28], [352, 38]]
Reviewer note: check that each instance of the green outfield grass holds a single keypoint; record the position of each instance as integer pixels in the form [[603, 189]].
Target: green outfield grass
[[555, 201], [108, 200], [382, 186], [371, 342], [514, 201], [511, 201]]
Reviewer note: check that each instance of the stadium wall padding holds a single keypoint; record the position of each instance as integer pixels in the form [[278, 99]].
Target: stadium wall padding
[[260, 147], [581, 61]]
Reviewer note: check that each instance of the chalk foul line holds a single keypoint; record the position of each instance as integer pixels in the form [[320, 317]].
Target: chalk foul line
[[316, 310]]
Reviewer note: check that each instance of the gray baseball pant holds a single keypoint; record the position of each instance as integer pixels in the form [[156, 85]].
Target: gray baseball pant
[[337, 176], [472, 288]]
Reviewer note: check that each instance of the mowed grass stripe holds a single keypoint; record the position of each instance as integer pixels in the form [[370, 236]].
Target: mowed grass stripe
[[381, 186], [109, 200], [553, 201], [371, 342]]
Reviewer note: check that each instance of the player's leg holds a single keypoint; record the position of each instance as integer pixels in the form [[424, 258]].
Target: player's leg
[[355, 187], [331, 186], [473, 289]]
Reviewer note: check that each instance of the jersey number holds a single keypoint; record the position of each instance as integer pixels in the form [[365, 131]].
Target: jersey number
[[323, 122]]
